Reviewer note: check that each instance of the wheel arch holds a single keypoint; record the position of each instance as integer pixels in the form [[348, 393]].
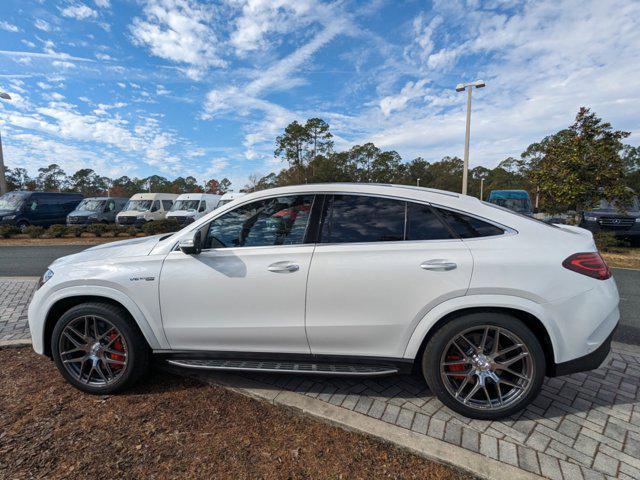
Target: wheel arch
[[63, 304], [532, 321]]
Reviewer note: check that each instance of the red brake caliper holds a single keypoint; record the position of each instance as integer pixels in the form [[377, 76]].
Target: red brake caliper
[[117, 345], [456, 368]]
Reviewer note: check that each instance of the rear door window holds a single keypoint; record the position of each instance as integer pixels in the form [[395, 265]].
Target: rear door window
[[357, 218], [423, 224]]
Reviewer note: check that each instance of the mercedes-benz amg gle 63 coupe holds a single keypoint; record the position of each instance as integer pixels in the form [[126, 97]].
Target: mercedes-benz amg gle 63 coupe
[[339, 279]]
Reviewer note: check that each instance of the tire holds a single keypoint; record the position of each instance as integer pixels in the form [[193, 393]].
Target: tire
[[504, 393], [120, 342], [22, 225]]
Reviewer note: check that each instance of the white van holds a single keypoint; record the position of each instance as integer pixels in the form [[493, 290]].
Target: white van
[[230, 197], [146, 207], [191, 206]]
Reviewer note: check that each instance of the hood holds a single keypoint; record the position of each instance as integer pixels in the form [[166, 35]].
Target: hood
[[7, 212], [132, 214], [124, 248], [84, 213], [182, 213]]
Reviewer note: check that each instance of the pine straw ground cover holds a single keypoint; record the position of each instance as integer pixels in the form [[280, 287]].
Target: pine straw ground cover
[[174, 427]]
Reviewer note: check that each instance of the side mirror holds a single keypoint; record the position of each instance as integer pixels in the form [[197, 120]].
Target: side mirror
[[192, 246]]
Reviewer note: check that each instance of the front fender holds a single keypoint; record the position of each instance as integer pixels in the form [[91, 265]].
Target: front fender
[[41, 306], [480, 301]]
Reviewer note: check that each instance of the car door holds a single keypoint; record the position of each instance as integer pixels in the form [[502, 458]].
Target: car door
[[245, 291], [381, 264]]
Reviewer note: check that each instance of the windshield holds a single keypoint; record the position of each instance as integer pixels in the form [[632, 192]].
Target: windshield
[[91, 205], [185, 205], [513, 212], [138, 206], [632, 206], [521, 205], [11, 202]]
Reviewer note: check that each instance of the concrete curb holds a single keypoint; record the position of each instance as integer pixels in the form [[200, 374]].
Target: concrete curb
[[15, 343], [427, 447], [625, 347]]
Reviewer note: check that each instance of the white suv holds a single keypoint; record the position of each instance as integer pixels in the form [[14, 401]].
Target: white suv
[[339, 279]]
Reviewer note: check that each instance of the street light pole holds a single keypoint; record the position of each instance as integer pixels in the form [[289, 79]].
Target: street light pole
[[481, 188], [461, 87], [3, 180]]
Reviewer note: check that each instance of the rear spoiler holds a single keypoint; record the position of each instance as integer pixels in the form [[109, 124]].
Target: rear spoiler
[[575, 230]]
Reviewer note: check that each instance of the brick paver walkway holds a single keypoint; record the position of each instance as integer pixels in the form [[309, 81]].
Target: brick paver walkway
[[585, 425], [14, 300]]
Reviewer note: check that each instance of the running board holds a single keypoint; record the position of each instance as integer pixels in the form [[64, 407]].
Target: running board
[[287, 367]]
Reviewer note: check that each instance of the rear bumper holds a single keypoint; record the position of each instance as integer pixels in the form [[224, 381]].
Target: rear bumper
[[582, 364]]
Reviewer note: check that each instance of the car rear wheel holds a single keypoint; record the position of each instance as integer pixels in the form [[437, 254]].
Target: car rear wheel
[[98, 350], [484, 365]]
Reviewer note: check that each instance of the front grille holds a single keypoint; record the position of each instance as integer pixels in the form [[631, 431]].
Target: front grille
[[616, 223], [126, 220]]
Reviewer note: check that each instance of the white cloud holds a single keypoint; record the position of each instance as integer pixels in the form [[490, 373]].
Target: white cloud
[[79, 11], [398, 102], [260, 19], [42, 25], [102, 3], [179, 31], [9, 27], [104, 56]]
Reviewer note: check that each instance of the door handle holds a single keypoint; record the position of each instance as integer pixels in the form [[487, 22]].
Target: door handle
[[283, 267], [438, 265]]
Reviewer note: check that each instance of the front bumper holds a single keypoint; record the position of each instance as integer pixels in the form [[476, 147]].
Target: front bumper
[[590, 361]]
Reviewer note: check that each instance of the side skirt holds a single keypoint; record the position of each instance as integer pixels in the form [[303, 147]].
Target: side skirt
[[287, 363]]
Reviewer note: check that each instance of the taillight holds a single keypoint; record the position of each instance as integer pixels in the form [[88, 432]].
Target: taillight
[[590, 264]]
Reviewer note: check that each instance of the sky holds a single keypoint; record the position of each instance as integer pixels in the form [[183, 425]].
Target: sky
[[202, 88]]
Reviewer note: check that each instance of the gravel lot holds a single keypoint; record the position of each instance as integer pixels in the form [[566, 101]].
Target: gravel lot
[[172, 427]]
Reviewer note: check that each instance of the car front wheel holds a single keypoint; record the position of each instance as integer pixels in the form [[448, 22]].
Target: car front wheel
[[484, 365], [98, 349]]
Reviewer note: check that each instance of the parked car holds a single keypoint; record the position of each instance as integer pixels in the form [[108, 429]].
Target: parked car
[[516, 200], [43, 209], [623, 221], [145, 207], [96, 210], [188, 207], [348, 279], [230, 197]]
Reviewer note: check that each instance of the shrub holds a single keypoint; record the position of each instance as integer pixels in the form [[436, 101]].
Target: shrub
[[57, 231], [605, 241], [132, 231], [161, 226], [34, 231], [98, 229], [7, 231], [75, 230]]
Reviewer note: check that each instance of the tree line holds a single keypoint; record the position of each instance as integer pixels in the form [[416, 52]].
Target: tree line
[[569, 170], [53, 179]]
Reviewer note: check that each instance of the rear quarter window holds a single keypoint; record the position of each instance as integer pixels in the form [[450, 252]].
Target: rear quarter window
[[466, 226]]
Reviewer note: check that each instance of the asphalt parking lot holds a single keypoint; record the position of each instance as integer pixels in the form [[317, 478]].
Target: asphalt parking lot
[[18, 261]]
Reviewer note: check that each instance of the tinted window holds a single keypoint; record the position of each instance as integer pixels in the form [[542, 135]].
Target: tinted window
[[354, 218], [424, 224], [203, 206], [155, 206], [274, 221], [167, 204], [468, 227]]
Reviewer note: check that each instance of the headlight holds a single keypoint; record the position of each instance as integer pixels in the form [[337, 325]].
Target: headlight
[[588, 218], [9, 217], [140, 217], [45, 277], [637, 219]]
